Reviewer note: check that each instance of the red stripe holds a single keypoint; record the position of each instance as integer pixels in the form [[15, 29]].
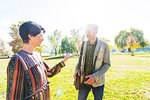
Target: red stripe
[[15, 78], [44, 94]]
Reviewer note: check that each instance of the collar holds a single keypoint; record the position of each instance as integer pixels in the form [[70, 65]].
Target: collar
[[88, 43]]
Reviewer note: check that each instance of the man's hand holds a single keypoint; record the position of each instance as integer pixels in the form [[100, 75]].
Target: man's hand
[[90, 81], [74, 76], [68, 56]]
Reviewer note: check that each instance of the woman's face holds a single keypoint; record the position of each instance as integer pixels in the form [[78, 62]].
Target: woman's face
[[37, 40]]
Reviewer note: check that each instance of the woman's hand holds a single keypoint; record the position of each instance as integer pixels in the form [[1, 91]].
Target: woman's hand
[[68, 56]]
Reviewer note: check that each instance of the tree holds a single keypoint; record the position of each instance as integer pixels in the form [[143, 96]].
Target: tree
[[137, 34], [121, 38], [0, 47], [132, 43], [16, 43], [106, 40], [67, 46], [55, 39], [3, 50], [75, 38], [40, 49], [144, 44]]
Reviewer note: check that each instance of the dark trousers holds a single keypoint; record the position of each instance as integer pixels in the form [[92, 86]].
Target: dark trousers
[[85, 89]]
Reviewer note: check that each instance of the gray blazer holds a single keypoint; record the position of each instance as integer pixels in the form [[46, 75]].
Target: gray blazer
[[102, 62]]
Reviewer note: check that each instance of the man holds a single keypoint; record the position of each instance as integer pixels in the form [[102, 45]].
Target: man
[[95, 62]]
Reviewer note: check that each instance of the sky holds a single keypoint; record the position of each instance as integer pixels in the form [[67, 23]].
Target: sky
[[111, 16]]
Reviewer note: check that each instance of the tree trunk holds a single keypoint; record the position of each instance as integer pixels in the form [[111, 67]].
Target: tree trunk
[[129, 50], [132, 53], [55, 52]]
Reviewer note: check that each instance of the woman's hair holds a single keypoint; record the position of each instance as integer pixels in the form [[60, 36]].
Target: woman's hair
[[31, 28]]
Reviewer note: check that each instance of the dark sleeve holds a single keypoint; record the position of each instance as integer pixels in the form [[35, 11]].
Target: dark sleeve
[[54, 70], [15, 78]]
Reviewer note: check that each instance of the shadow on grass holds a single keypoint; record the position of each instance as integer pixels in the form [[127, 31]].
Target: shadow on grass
[[4, 57], [60, 57]]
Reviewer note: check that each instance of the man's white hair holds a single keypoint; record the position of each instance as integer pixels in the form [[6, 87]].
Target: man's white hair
[[94, 26]]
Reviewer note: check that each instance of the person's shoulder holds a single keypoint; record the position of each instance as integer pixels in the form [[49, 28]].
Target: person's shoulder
[[15, 57], [13, 61], [103, 43]]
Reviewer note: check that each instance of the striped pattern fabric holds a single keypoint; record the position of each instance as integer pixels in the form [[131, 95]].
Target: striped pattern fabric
[[27, 75]]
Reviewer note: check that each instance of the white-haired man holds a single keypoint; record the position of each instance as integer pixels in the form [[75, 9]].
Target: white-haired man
[[95, 62]]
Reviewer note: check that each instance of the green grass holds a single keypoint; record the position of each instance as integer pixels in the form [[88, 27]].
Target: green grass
[[127, 79]]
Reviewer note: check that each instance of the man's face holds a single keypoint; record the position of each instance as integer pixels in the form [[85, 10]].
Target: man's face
[[90, 33], [37, 40]]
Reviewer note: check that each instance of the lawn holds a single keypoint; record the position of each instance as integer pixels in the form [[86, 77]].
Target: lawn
[[127, 79]]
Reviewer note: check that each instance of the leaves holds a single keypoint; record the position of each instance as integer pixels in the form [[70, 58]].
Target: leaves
[[132, 42], [40, 49], [125, 39], [16, 43], [55, 39], [67, 46]]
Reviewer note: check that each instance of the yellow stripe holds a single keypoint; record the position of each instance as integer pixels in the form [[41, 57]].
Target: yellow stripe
[[25, 66]]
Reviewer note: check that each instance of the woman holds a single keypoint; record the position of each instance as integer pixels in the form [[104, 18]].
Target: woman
[[26, 72]]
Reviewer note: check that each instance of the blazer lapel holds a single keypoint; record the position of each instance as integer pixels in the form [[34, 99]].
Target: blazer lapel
[[84, 50], [97, 50]]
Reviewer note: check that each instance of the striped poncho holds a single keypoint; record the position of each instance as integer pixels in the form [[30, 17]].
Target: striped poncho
[[27, 77]]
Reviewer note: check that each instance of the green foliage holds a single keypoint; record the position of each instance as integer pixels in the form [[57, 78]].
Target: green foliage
[[138, 34], [67, 46], [55, 39], [144, 44], [121, 39], [16, 43]]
